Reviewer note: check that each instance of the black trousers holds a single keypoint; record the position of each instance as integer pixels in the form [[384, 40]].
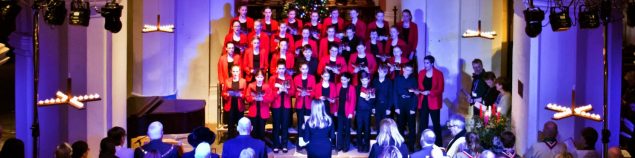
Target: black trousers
[[281, 127], [409, 121], [363, 129], [380, 114], [300, 113], [259, 127], [436, 122], [233, 117], [343, 132]]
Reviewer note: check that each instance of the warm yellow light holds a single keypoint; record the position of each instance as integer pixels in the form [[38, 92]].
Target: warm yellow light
[[478, 33], [147, 28]]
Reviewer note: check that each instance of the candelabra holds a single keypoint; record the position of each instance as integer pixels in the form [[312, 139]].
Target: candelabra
[[478, 33], [581, 111], [158, 28]]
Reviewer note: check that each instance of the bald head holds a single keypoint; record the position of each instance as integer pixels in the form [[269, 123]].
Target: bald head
[[550, 130], [155, 130], [244, 126], [427, 138], [203, 150]]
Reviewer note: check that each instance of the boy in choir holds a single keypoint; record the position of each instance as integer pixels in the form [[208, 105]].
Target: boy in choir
[[343, 110], [361, 62], [365, 105], [406, 103], [306, 40], [396, 62], [282, 85], [246, 23], [325, 92], [333, 64], [236, 36], [304, 83], [255, 59], [394, 41], [349, 43], [294, 25], [376, 48], [233, 94], [431, 86], [315, 27], [380, 25], [284, 55], [360, 26], [408, 32], [226, 61], [308, 58], [270, 25], [263, 37], [383, 86], [281, 35], [329, 41], [334, 21], [259, 97]]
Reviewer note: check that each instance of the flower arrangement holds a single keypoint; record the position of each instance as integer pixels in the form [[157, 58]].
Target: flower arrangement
[[489, 127]]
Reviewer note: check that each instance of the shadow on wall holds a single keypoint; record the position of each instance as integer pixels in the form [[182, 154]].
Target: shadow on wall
[[422, 27], [219, 27], [466, 84]]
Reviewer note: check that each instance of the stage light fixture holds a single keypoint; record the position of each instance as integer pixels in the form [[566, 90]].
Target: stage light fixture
[[55, 12], [559, 18], [8, 12], [80, 13], [630, 14], [533, 21], [589, 18], [112, 12]]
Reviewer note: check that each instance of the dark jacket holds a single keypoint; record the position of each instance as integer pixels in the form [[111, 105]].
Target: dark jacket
[[402, 85], [233, 147], [166, 150]]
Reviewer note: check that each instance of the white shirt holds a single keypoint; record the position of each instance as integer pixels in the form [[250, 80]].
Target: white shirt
[[542, 150]]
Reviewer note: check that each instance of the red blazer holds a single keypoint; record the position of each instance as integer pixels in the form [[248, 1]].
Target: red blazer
[[360, 29], [339, 61], [273, 80], [328, 21], [248, 61], [405, 52], [391, 61], [265, 41], [299, 29], [264, 105], [351, 100], [306, 100], [324, 46], [380, 46], [313, 45], [372, 65], [222, 66], [290, 62], [250, 24], [317, 91], [227, 86], [436, 92], [372, 25], [413, 35], [275, 39], [275, 27], [243, 43], [320, 27]]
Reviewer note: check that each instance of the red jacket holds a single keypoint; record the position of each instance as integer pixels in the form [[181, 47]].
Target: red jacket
[[324, 46], [277, 97], [298, 21], [319, 28], [313, 45], [250, 24], [380, 46], [339, 61], [360, 29], [265, 41], [310, 85], [242, 44], [248, 61], [372, 25], [275, 39], [328, 21], [317, 91], [226, 87], [264, 105], [413, 35], [391, 61], [351, 100], [372, 65], [405, 52], [274, 26], [290, 62], [436, 92], [222, 66]]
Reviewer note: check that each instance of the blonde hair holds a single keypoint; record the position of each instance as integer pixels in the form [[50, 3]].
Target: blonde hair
[[389, 132], [318, 117], [390, 152]]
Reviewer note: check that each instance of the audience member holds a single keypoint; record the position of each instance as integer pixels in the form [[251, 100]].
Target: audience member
[[471, 148], [428, 148], [63, 150], [107, 149], [200, 135], [80, 149], [589, 138], [155, 132], [12, 148], [247, 153], [456, 125], [203, 150], [487, 154], [549, 146], [508, 140], [388, 136], [232, 147], [118, 136]]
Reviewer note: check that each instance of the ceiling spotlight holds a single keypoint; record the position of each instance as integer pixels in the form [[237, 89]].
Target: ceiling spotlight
[[533, 21], [112, 12], [589, 18], [8, 12], [559, 18], [80, 13], [630, 14], [55, 12]]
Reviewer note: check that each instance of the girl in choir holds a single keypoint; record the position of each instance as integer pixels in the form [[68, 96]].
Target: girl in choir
[[408, 32], [233, 94], [263, 37], [376, 48], [334, 21], [394, 41], [325, 92], [226, 61], [283, 35], [306, 40], [308, 58], [383, 92], [319, 131], [315, 27], [388, 136], [406, 103], [329, 41], [397, 62], [283, 87], [380, 25], [333, 64], [431, 85], [284, 55], [294, 25], [365, 105], [246, 23], [360, 26], [349, 43], [255, 59], [361, 62], [343, 111], [236, 36], [259, 97], [270, 25], [304, 83]]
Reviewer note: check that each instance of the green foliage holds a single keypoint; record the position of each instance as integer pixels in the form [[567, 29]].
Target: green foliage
[[304, 8], [494, 127]]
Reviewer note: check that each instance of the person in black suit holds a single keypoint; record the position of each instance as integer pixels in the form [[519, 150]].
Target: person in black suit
[[318, 131], [233, 147], [479, 87], [406, 103], [156, 145]]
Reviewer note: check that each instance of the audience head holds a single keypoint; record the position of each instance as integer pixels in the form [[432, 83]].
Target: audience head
[[456, 124], [319, 117], [615, 152], [477, 65], [63, 150], [107, 148], [427, 138], [390, 151], [247, 153], [487, 154], [550, 130], [155, 130], [13, 148], [388, 132], [118, 135], [508, 139], [203, 150], [244, 126], [80, 149], [489, 78], [589, 137], [428, 62], [200, 135], [503, 85], [473, 142]]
